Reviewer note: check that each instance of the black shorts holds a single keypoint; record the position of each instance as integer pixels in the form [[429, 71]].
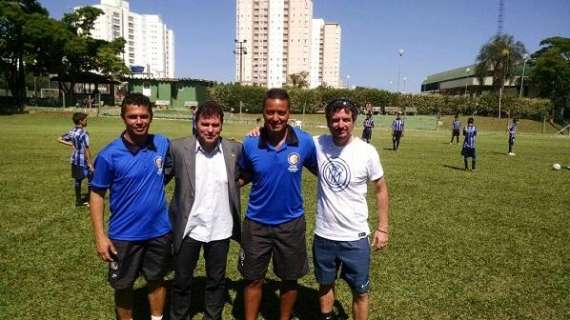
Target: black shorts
[[285, 242], [396, 135], [467, 152], [79, 172], [367, 133], [152, 258], [511, 140], [455, 133]]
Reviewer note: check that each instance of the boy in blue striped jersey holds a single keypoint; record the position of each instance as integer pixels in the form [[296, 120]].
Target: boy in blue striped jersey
[[397, 131], [512, 133], [468, 151], [81, 163], [455, 127], [368, 124]]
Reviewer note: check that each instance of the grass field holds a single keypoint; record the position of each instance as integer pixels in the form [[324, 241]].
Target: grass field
[[490, 244]]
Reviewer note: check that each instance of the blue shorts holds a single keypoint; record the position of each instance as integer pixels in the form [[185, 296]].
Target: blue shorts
[[351, 257]]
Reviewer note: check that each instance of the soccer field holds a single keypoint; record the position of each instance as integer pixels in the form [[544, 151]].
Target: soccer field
[[490, 244]]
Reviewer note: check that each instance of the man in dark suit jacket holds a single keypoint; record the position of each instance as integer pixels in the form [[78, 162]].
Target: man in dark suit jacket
[[205, 209]]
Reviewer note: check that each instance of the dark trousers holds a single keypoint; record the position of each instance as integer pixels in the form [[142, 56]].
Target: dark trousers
[[215, 254]]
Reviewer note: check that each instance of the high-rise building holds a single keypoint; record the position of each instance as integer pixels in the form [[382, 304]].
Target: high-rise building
[[149, 42], [331, 55], [277, 38]]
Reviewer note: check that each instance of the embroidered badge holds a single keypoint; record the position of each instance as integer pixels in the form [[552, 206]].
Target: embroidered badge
[[158, 164], [293, 158]]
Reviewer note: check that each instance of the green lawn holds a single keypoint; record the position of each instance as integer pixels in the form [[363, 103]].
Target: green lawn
[[490, 244]]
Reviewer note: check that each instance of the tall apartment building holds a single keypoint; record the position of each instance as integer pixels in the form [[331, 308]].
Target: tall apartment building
[[277, 38], [149, 42]]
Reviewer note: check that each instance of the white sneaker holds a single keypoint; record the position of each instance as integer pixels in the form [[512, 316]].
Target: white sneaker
[[511, 154]]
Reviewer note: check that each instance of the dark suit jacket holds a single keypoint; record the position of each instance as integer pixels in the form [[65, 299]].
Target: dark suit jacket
[[181, 165]]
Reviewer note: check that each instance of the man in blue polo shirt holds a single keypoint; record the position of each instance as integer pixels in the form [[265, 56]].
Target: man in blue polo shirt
[[274, 225], [138, 240]]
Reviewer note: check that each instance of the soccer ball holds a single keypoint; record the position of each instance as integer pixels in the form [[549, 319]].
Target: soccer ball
[[556, 166]]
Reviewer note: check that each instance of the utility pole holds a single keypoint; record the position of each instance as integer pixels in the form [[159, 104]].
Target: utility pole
[[240, 50]]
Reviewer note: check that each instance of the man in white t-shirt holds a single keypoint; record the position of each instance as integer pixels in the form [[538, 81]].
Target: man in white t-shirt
[[346, 166]]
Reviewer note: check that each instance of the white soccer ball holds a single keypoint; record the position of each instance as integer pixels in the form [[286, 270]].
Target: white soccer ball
[[556, 166]]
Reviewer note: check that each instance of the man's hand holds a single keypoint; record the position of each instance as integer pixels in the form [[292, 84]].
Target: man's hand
[[105, 248], [255, 132], [380, 240]]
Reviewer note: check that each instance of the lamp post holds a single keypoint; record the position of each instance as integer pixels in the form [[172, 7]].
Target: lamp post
[[348, 81], [466, 80], [404, 79], [401, 52], [525, 59], [240, 50], [391, 84], [64, 61]]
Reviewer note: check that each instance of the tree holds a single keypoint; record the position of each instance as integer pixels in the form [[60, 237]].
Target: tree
[[498, 57], [551, 73], [298, 80], [15, 50]]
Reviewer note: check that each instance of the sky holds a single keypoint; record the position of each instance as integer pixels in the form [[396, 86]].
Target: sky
[[436, 35]]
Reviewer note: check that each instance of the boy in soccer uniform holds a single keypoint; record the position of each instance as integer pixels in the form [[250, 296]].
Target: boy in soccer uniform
[[81, 163], [468, 151], [367, 130], [455, 128], [397, 131], [512, 134]]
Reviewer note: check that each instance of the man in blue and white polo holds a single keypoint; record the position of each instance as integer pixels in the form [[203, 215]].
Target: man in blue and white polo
[[138, 239], [274, 224]]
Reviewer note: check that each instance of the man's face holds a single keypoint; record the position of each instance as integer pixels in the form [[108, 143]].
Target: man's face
[[341, 126], [137, 120], [276, 114], [208, 129], [83, 122]]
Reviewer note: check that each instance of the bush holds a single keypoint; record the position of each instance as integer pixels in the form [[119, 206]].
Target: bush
[[313, 100]]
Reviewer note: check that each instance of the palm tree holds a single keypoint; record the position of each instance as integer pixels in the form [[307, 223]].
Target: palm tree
[[498, 58]]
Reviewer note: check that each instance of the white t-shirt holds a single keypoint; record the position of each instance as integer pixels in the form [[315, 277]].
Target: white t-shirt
[[344, 173]]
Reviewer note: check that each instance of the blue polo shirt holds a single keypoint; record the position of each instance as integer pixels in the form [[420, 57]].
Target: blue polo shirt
[[136, 180], [275, 196]]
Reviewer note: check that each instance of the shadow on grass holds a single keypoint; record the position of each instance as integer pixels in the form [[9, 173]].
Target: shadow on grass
[[454, 167], [306, 307]]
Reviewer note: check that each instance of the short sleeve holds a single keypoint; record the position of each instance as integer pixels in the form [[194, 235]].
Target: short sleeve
[[86, 140], [374, 167], [311, 159], [103, 175], [66, 136], [244, 162]]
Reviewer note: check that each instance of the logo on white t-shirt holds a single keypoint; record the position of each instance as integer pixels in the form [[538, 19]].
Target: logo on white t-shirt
[[336, 174]]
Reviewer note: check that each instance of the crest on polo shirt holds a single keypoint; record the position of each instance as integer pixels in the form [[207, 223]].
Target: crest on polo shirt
[[293, 159], [158, 164]]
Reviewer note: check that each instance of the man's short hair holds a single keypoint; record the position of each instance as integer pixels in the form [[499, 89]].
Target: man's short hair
[[78, 116], [136, 99], [336, 105], [210, 109], [470, 120], [277, 93]]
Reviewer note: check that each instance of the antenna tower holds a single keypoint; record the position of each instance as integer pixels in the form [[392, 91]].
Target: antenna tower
[[500, 18]]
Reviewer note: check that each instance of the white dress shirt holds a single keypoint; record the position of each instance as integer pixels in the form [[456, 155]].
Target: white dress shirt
[[210, 218]]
